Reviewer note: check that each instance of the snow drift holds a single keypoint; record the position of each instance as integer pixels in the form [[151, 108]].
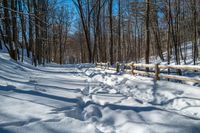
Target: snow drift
[[84, 99]]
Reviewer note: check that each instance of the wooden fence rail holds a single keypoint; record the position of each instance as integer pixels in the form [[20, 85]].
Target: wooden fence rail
[[157, 70]]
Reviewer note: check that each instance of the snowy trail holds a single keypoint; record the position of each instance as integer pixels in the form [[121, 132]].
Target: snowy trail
[[78, 99]]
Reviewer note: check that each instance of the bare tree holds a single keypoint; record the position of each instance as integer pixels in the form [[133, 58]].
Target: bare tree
[[110, 8], [147, 23], [7, 23]]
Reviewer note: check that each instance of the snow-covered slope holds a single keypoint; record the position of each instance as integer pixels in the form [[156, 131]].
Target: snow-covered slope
[[83, 99], [187, 53]]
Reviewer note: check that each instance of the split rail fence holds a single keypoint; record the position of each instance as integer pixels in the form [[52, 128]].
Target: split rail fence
[[154, 70]]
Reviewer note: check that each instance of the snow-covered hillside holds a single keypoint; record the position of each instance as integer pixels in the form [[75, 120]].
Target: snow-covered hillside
[[84, 99], [187, 54]]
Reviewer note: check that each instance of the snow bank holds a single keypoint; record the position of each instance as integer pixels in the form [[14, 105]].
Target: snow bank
[[84, 99]]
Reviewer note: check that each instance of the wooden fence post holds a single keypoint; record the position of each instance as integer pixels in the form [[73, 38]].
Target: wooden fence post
[[108, 64], [132, 68], [117, 67], [157, 72]]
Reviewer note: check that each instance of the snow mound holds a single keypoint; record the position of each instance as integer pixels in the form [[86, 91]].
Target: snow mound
[[84, 99]]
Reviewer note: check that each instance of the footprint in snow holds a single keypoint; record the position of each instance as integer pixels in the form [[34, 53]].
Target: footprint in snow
[[92, 112], [178, 92], [32, 81], [40, 89], [86, 90]]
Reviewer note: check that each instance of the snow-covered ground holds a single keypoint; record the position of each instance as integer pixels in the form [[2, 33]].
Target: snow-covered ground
[[84, 99]]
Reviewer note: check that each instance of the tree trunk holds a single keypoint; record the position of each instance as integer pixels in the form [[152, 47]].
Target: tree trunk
[[8, 30], [111, 31], [14, 26], [147, 32]]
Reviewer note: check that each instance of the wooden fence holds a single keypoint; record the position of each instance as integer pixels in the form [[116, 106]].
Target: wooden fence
[[155, 70]]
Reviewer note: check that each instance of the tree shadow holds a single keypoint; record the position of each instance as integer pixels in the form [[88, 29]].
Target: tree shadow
[[124, 107], [68, 82], [2, 130], [40, 94]]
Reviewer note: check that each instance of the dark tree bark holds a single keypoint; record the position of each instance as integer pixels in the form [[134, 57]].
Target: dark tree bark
[[147, 23], [85, 22], [24, 37], [31, 41], [14, 26], [7, 23], [194, 46], [37, 40], [111, 30], [119, 30]]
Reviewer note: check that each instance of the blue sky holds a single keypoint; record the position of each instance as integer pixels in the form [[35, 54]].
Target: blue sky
[[70, 5]]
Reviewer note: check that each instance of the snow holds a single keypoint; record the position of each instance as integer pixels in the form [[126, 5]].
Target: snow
[[84, 99]]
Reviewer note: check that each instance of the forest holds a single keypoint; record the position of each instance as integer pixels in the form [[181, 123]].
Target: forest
[[88, 31], [99, 30], [99, 66]]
